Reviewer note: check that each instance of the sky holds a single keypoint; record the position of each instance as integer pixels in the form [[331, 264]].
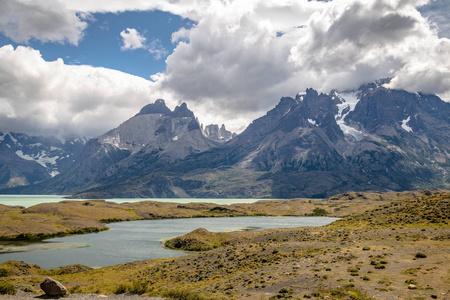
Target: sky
[[83, 67]]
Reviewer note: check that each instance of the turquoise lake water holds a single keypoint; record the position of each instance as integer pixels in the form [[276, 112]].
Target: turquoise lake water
[[30, 200], [136, 240], [131, 241]]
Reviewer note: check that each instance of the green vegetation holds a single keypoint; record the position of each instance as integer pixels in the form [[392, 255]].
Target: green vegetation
[[7, 288], [332, 262], [420, 255], [319, 212]]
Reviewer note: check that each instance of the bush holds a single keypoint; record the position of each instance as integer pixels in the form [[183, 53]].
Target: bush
[[421, 255], [7, 289], [319, 212], [410, 281], [138, 288], [4, 272], [180, 294], [121, 289]]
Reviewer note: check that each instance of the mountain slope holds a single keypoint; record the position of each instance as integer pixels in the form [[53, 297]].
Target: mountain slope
[[28, 159], [154, 136], [315, 145]]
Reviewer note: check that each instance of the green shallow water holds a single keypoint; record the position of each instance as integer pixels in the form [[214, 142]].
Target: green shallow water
[[137, 240]]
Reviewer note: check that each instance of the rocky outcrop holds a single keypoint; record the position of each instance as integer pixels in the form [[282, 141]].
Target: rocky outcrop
[[54, 288], [221, 135]]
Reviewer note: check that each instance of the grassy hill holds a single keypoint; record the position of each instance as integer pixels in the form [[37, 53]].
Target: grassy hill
[[395, 249]]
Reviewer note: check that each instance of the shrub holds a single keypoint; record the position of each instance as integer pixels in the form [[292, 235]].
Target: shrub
[[421, 255], [138, 288], [410, 281], [7, 288], [286, 290], [4, 272], [318, 212], [180, 294], [121, 289]]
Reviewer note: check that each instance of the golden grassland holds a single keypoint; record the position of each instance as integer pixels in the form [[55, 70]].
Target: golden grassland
[[386, 246], [75, 217]]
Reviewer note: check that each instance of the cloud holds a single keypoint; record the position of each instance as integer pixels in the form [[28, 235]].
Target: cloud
[[242, 56], [39, 97], [132, 39], [240, 59], [437, 12], [44, 20], [157, 49]]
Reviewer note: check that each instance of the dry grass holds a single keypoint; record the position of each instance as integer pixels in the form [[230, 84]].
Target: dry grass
[[370, 255]]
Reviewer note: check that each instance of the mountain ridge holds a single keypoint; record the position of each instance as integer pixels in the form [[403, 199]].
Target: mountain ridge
[[313, 145]]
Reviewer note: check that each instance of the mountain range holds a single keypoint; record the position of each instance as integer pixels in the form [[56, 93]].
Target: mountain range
[[313, 145], [28, 159]]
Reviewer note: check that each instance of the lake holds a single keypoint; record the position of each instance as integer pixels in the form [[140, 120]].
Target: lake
[[30, 200], [136, 240]]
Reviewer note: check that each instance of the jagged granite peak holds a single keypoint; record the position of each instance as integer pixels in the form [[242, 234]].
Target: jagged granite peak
[[156, 128], [221, 135], [159, 107], [303, 147], [182, 111]]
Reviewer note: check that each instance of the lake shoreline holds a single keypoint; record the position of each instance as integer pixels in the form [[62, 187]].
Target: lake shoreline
[[70, 217], [393, 248]]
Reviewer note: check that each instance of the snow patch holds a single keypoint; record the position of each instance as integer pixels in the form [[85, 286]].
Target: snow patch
[[54, 173], [41, 158], [312, 122], [53, 148], [35, 145], [405, 124], [20, 154], [347, 105], [112, 140], [289, 110], [12, 138]]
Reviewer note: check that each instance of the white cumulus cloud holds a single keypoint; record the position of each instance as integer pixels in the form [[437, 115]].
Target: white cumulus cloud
[[38, 97], [132, 39], [44, 20], [242, 56]]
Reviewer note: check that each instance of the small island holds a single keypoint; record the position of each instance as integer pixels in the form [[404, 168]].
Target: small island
[[385, 246]]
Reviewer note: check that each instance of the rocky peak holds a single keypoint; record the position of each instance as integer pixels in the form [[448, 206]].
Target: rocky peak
[[221, 135], [159, 107], [182, 111]]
